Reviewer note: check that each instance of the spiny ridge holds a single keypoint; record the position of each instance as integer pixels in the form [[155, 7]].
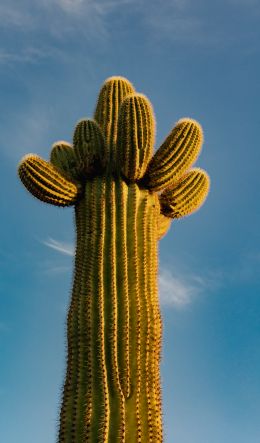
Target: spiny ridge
[[177, 154], [44, 181], [135, 135], [63, 158], [186, 195], [68, 415], [90, 148], [111, 95], [117, 424]]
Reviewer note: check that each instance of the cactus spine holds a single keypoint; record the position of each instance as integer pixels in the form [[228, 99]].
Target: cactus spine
[[112, 388]]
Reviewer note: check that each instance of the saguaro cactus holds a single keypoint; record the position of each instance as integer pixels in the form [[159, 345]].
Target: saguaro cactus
[[125, 199]]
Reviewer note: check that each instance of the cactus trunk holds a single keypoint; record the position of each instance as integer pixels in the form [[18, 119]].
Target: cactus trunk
[[112, 388]]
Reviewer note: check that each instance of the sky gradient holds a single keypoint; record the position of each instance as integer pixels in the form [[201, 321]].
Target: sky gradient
[[197, 59]]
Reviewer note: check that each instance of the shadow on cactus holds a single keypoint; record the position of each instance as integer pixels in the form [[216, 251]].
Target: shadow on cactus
[[125, 198]]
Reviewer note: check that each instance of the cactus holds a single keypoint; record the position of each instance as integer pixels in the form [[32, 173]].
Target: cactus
[[112, 389]]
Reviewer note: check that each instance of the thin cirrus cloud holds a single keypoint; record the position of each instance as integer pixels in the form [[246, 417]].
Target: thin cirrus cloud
[[101, 7], [178, 291], [52, 18], [62, 247], [74, 21], [19, 13], [14, 15], [179, 20], [174, 19], [174, 291], [63, 17], [28, 54], [71, 5]]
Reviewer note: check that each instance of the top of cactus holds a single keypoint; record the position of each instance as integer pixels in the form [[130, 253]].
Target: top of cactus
[[119, 140]]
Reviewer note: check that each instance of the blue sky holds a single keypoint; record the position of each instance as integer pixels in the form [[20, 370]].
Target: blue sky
[[191, 58]]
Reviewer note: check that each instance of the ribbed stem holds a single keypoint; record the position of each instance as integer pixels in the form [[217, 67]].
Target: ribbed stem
[[178, 152], [111, 95], [117, 405], [112, 388], [45, 182]]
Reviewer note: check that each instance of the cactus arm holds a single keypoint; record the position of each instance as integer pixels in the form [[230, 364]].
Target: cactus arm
[[164, 224], [186, 195], [135, 136], [90, 148], [111, 95], [62, 156], [45, 182], [177, 154]]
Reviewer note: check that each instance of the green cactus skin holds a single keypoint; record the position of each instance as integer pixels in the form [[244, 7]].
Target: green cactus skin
[[112, 390], [186, 195], [135, 136], [178, 152], [46, 183], [110, 98], [114, 327]]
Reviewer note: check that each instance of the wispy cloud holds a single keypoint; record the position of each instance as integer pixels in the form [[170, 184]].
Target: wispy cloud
[[72, 5], [90, 18], [27, 55], [62, 247], [14, 15], [179, 291], [178, 28], [99, 7], [61, 17], [183, 21], [175, 20], [60, 265], [51, 268]]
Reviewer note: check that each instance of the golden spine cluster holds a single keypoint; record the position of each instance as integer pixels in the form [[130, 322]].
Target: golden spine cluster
[[125, 199]]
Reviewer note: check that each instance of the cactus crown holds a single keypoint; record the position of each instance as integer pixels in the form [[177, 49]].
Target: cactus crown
[[119, 141]]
